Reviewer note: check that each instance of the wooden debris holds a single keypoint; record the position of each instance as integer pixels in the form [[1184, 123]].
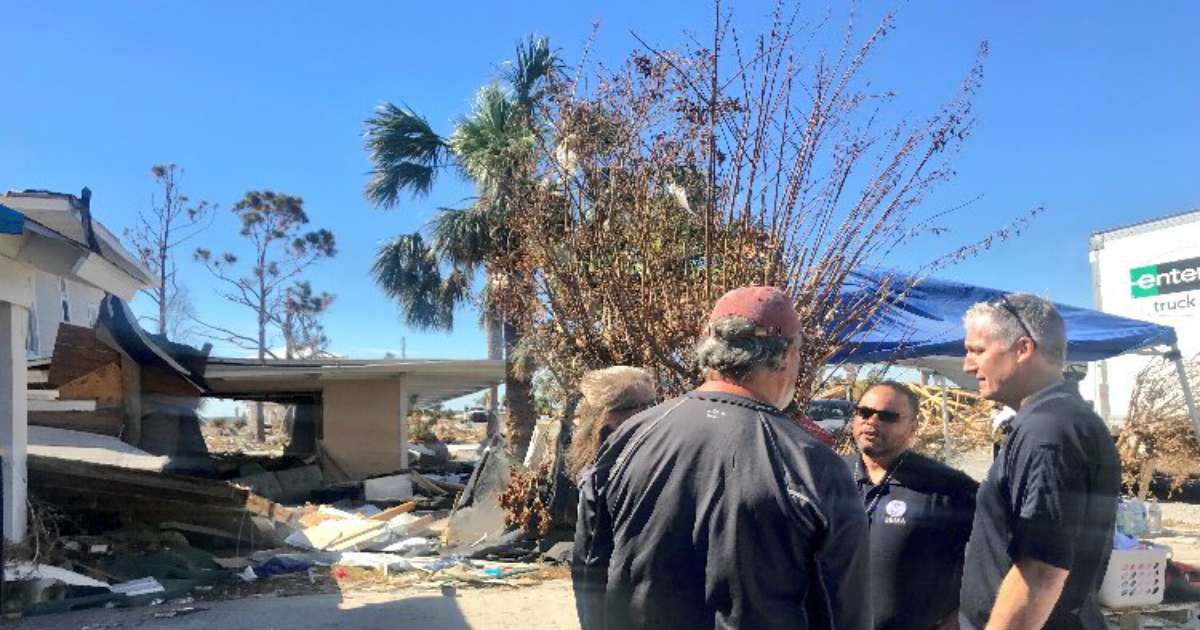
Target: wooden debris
[[1158, 434], [102, 385], [391, 513], [341, 534], [101, 421], [77, 352], [154, 498]]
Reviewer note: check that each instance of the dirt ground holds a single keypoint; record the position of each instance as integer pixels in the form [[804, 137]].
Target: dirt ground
[[1181, 531], [546, 606]]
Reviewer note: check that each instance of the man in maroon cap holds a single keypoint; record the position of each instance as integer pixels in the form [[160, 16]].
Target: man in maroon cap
[[714, 510]]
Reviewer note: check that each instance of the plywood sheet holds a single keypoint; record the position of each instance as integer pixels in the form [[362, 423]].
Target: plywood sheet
[[78, 351], [102, 385]]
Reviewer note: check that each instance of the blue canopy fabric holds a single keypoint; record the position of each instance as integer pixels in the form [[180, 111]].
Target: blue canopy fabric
[[927, 321], [11, 221]]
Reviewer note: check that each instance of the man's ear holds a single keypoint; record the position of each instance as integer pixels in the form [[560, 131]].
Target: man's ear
[[1025, 348]]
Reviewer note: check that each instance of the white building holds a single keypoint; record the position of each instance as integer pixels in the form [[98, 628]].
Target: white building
[[70, 297], [56, 264]]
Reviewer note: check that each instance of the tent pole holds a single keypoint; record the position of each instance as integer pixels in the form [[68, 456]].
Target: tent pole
[[1188, 398], [945, 419]]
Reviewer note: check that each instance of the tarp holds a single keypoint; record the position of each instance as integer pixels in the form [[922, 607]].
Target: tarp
[[926, 321]]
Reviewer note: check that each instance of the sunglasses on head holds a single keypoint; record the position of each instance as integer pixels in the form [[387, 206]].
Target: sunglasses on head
[[634, 408], [1001, 301], [865, 413]]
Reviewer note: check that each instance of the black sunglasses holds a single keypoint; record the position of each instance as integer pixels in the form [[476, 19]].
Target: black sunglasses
[[865, 413], [1001, 301]]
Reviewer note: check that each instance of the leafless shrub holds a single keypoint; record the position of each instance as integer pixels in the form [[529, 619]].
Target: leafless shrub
[[1158, 433]]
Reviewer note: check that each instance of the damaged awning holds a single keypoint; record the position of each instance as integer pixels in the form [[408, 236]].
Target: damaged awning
[[427, 381]]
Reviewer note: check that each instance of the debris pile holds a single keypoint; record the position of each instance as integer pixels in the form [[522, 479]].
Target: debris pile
[[123, 527], [970, 426], [527, 499], [1158, 434]]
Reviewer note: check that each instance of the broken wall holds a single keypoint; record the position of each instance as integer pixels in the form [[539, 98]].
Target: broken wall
[[365, 427]]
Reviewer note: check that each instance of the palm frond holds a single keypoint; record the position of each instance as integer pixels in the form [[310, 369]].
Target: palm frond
[[407, 270], [463, 237], [406, 152], [535, 63], [491, 140]]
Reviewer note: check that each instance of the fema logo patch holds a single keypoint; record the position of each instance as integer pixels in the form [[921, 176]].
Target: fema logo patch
[[895, 512]]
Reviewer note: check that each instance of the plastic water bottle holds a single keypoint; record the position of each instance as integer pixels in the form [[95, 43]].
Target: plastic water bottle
[[1153, 517], [1137, 517], [1123, 517]]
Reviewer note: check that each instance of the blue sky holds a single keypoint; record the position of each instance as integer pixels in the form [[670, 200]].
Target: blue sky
[[1087, 108]]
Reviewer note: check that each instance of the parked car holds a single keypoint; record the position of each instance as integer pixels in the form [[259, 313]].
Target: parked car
[[831, 415]]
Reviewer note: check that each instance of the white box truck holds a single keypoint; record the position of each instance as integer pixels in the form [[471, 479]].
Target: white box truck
[[1148, 271]]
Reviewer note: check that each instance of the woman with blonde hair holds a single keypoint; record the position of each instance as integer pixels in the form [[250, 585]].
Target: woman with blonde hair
[[610, 397]]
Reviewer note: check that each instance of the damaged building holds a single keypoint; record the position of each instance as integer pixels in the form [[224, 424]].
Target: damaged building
[[100, 415]]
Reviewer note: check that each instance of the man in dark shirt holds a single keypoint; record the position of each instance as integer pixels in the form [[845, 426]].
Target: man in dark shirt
[[920, 512], [714, 510], [1044, 516]]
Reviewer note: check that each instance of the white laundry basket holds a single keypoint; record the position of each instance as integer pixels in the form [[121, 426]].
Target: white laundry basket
[[1135, 577]]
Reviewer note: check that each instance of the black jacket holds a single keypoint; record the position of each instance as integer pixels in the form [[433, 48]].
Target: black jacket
[[715, 511]]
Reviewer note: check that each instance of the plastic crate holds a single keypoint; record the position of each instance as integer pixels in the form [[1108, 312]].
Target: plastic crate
[[1135, 577]]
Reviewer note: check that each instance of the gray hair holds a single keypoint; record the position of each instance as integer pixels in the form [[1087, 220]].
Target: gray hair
[[1038, 314], [733, 349]]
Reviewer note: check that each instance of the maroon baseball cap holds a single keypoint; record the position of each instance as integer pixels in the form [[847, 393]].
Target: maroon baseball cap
[[770, 309]]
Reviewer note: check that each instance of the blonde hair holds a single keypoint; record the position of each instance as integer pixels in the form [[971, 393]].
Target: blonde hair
[[603, 391]]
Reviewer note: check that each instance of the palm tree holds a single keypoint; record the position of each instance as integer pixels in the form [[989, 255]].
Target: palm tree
[[494, 148]]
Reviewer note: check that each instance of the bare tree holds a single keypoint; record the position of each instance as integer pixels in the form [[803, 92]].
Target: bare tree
[[683, 174], [300, 322], [274, 224], [172, 220]]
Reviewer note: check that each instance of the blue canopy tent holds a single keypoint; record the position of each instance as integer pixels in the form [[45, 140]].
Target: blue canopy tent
[[926, 320], [923, 329]]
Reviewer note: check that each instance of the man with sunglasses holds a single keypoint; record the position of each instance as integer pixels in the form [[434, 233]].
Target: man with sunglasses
[[1044, 519], [920, 513], [716, 510]]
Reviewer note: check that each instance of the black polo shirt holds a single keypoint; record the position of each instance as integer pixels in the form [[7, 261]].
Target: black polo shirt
[[919, 530], [1051, 495]]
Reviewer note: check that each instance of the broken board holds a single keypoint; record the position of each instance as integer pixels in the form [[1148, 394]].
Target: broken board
[[102, 385], [154, 498], [78, 351]]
